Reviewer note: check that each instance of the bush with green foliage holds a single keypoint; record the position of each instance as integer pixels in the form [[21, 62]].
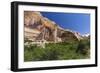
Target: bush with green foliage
[[58, 51], [84, 47]]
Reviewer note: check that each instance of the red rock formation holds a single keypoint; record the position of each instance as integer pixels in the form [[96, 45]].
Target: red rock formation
[[38, 27]]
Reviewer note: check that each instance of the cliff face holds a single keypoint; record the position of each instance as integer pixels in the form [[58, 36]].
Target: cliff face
[[38, 27]]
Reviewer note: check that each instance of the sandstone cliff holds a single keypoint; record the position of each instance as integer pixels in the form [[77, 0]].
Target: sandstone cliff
[[38, 27]]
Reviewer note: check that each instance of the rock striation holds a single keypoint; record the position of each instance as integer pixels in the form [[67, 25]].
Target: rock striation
[[41, 28]]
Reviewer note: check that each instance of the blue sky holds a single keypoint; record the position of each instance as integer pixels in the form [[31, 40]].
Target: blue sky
[[79, 22]]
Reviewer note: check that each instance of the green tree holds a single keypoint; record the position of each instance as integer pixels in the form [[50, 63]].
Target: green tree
[[84, 47]]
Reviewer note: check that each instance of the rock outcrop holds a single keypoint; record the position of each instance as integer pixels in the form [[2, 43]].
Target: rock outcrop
[[38, 27]]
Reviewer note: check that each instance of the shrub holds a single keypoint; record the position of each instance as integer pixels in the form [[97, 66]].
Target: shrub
[[58, 51], [83, 47]]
